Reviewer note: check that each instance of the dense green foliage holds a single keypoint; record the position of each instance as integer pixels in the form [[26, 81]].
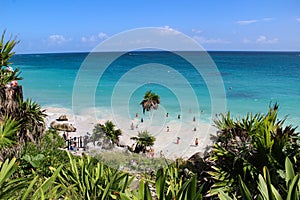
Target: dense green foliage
[[44, 154], [243, 149]]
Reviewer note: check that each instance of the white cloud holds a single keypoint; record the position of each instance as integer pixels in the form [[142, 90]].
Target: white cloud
[[298, 19], [245, 22], [197, 31], [102, 35], [246, 41], [264, 40], [167, 30], [267, 19], [84, 39], [252, 21], [57, 39], [203, 40], [94, 38]]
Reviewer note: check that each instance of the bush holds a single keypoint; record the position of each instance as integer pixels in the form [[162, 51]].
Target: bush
[[39, 157]]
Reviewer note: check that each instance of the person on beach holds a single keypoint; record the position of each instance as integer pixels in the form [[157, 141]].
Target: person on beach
[[152, 152], [73, 146], [167, 115], [133, 147], [178, 140], [132, 126], [161, 154], [142, 120], [196, 142], [65, 136], [195, 129], [168, 128]]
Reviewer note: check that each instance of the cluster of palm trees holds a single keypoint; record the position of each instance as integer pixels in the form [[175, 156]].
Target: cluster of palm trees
[[106, 134]]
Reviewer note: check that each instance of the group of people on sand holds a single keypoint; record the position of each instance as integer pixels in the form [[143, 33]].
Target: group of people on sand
[[196, 141], [151, 151]]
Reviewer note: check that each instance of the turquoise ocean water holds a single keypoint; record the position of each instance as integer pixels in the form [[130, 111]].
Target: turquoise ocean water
[[251, 81]]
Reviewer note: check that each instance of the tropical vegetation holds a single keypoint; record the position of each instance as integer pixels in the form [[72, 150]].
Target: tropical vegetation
[[107, 132], [253, 157], [143, 140]]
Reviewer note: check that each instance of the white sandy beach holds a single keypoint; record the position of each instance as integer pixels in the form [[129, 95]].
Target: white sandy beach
[[166, 141]]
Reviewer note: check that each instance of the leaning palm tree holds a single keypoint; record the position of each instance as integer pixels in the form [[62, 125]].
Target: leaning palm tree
[[144, 140], [150, 101]]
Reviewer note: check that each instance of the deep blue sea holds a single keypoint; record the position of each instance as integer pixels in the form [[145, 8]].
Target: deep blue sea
[[243, 82]]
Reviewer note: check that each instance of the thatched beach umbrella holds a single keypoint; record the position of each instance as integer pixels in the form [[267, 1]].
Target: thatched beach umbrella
[[63, 126], [62, 118]]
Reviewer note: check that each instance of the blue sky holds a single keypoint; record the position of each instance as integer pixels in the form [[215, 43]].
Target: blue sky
[[78, 25]]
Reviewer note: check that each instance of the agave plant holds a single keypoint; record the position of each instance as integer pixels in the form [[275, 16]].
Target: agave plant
[[6, 170], [171, 185], [245, 146], [268, 191], [31, 117], [87, 179], [8, 132], [6, 49], [168, 184], [9, 76], [6, 52]]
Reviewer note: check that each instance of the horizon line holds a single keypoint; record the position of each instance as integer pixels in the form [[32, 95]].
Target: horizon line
[[87, 52]]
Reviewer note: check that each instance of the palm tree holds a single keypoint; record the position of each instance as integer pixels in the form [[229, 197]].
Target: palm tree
[[107, 130], [31, 118], [144, 140], [151, 101], [6, 52]]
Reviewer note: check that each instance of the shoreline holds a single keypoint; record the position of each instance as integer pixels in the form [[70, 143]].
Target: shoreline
[[166, 140]]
